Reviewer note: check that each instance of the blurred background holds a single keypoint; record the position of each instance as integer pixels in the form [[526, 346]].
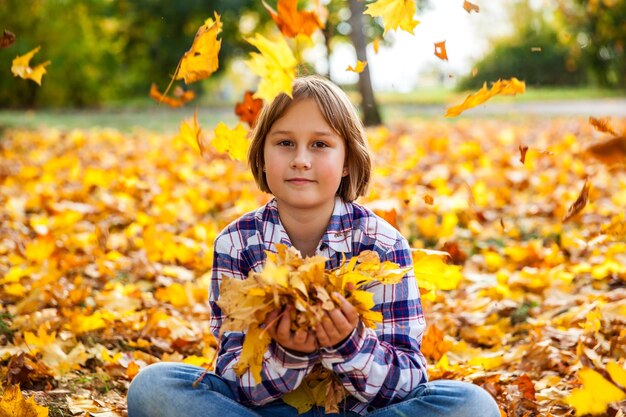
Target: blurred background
[[105, 54]]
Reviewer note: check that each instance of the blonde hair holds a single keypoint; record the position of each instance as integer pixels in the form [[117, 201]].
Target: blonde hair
[[338, 112]]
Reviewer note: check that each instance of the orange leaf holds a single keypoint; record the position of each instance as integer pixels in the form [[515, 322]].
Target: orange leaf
[[376, 45], [21, 67], [611, 152], [249, 109], [580, 202], [602, 125], [504, 87], [7, 39], [440, 50], [13, 403], [183, 96], [523, 150], [291, 22], [434, 345], [470, 7], [428, 199], [359, 67], [200, 60]]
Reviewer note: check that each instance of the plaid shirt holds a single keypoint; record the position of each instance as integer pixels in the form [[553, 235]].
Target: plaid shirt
[[377, 367]]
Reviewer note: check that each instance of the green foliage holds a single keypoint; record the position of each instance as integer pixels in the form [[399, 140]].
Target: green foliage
[[533, 54]]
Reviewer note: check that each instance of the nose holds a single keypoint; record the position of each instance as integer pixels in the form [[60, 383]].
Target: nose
[[301, 160]]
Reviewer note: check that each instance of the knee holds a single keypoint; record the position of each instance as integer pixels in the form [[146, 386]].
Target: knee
[[145, 387], [480, 402]]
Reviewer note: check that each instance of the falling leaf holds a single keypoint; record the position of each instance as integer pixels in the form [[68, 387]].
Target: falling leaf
[[376, 45], [395, 14], [248, 110], [440, 50], [522, 150], [291, 22], [232, 141], [428, 199], [602, 125], [504, 87], [190, 134], [470, 7], [580, 202], [201, 60], [276, 66], [8, 39], [611, 152], [596, 394], [21, 67], [13, 404], [182, 97], [359, 67]]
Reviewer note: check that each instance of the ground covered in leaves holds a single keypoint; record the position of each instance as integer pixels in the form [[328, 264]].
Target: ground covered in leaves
[[106, 239]]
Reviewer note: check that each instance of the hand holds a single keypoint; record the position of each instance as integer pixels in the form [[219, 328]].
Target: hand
[[338, 324], [279, 328]]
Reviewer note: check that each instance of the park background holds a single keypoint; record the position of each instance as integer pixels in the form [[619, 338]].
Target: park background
[[107, 212]]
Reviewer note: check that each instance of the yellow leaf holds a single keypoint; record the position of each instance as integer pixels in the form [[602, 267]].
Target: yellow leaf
[[13, 404], [359, 67], [433, 270], [190, 134], [201, 60], [505, 87], [254, 346], [39, 250], [596, 394], [395, 13], [618, 374], [21, 67], [233, 141], [276, 66]]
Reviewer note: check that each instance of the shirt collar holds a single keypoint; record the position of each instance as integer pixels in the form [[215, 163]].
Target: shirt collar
[[338, 235]]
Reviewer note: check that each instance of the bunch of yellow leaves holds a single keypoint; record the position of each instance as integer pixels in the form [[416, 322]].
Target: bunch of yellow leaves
[[288, 279]]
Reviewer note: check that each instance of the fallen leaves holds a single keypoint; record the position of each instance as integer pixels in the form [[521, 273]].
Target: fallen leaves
[[503, 87], [21, 67], [13, 404], [595, 395]]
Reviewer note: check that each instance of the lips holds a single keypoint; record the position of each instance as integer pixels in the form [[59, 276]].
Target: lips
[[299, 181]]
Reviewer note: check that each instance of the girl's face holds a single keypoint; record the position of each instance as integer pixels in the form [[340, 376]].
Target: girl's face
[[304, 158]]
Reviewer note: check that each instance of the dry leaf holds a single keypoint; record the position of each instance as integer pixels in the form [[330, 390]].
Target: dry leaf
[[395, 14], [440, 50], [596, 394], [602, 125], [428, 199], [503, 87], [13, 404], [611, 152], [580, 202], [201, 60], [522, 150], [232, 141], [8, 39], [21, 67], [291, 22], [190, 134], [248, 110], [470, 7], [359, 67], [182, 96]]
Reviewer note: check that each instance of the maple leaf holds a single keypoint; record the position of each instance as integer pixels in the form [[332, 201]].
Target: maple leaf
[[248, 110], [470, 7], [395, 14], [8, 39], [359, 67], [276, 66], [580, 202], [13, 404], [201, 60], [190, 132], [182, 97], [504, 87], [596, 394], [291, 22], [21, 67], [432, 272], [232, 141], [602, 125], [440, 50]]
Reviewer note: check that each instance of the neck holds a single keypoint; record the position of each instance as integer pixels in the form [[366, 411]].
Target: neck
[[306, 227]]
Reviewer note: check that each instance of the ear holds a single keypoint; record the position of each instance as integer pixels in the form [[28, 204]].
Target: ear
[[345, 171]]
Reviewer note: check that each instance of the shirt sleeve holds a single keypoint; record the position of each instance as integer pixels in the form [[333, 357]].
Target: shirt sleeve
[[383, 366], [282, 371]]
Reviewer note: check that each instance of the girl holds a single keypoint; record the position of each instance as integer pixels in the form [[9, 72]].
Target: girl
[[311, 154]]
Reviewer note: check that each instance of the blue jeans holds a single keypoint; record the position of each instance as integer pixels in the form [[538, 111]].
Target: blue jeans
[[165, 390]]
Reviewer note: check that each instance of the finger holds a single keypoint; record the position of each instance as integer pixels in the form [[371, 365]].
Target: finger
[[351, 313], [284, 325], [321, 335], [300, 337], [328, 324]]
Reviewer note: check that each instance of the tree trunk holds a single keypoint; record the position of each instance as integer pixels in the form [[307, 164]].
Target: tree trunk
[[371, 115]]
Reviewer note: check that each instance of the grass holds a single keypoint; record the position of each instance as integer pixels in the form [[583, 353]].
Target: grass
[[147, 115]]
